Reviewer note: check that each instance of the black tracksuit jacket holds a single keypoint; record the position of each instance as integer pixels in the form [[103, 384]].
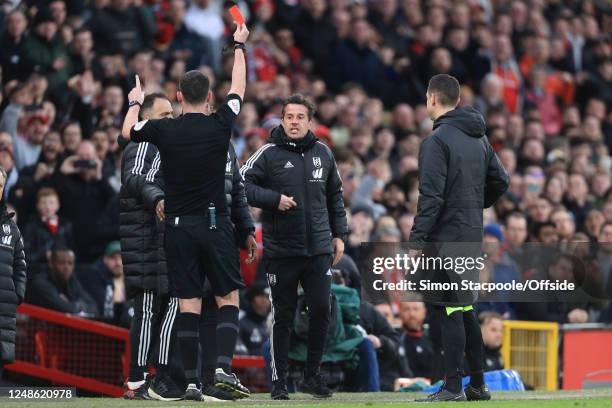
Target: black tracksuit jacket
[[304, 169]]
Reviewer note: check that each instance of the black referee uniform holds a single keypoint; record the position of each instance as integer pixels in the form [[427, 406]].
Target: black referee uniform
[[298, 242], [199, 240]]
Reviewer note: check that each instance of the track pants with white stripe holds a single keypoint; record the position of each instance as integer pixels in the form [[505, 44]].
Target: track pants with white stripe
[[284, 274], [166, 355], [141, 333]]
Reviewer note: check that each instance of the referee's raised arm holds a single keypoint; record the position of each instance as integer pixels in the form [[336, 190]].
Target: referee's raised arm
[[238, 85]]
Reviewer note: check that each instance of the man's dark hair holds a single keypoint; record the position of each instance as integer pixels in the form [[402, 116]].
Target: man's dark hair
[[446, 88], [539, 226], [148, 102], [194, 86], [514, 214], [299, 99], [59, 247]]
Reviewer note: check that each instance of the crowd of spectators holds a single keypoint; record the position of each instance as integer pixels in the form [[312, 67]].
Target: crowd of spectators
[[539, 71]]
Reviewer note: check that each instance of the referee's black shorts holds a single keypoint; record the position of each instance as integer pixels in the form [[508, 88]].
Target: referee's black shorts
[[195, 252]]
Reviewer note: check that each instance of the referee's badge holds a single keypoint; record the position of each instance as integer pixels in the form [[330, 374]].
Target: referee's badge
[[234, 105], [140, 124], [316, 161]]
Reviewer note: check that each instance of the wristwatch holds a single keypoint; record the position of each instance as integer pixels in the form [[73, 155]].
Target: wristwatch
[[132, 103], [239, 46]]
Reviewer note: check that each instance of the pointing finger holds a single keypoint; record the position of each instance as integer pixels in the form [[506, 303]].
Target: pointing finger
[[137, 82]]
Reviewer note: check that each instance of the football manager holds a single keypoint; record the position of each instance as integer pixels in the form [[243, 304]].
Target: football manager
[[294, 179]]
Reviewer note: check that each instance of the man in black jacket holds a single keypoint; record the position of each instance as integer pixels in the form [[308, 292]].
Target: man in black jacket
[[140, 242], [12, 279], [294, 179], [459, 175]]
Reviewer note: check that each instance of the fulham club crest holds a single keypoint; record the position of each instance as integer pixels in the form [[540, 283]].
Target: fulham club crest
[[316, 161], [6, 229]]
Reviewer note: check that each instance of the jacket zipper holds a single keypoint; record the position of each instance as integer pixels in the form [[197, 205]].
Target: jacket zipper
[[306, 207]]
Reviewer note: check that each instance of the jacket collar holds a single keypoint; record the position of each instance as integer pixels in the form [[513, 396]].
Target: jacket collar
[[280, 138]]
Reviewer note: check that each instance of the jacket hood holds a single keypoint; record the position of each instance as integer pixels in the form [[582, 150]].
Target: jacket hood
[[280, 138], [468, 120]]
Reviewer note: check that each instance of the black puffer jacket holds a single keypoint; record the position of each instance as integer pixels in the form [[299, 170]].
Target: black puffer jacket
[[304, 169], [12, 282], [138, 230]]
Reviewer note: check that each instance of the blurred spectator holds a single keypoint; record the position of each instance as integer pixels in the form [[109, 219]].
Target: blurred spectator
[[46, 230], [104, 281], [8, 164], [12, 41], [386, 343], [253, 325], [121, 27], [418, 350], [85, 196], [492, 327], [186, 45], [59, 289], [44, 51], [499, 268], [204, 18], [354, 60], [26, 129]]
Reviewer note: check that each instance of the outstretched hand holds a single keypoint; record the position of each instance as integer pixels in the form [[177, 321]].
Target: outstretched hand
[[136, 94], [241, 34]]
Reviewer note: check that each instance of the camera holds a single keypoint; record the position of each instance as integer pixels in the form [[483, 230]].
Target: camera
[[85, 164]]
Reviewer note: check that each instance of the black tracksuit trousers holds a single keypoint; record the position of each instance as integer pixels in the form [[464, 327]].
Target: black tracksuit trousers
[[314, 275]]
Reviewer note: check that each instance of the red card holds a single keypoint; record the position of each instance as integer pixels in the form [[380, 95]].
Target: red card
[[235, 12]]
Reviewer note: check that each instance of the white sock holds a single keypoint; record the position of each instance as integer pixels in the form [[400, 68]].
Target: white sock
[[134, 385]]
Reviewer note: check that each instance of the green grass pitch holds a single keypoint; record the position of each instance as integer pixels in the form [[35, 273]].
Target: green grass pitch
[[600, 398]]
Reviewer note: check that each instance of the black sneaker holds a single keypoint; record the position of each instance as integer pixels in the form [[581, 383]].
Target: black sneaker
[[231, 383], [315, 386], [216, 393], [443, 395], [193, 393], [477, 393], [164, 389], [279, 390]]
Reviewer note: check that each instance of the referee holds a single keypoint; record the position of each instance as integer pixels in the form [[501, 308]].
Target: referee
[[459, 175], [294, 179], [199, 241]]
